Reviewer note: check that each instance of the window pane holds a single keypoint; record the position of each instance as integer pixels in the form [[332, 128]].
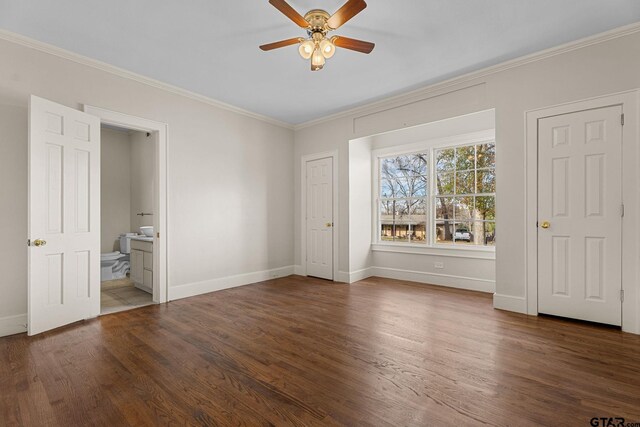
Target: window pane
[[487, 181], [465, 158], [401, 211], [394, 220], [418, 215], [420, 233], [444, 232], [486, 207], [490, 233], [483, 233], [465, 182], [389, 168], [402, 221], [463, 233], [486, 155], [404, 166], [444, 207], [387, 188], [445, 160], [418, 186], [402, 233], [463, 208], [402, 187], [445, 183]]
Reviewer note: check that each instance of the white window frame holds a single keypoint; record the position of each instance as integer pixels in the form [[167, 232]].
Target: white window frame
[[429, 147]]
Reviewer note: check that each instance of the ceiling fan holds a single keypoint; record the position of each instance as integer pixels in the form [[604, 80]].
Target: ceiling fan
[[318, 23]]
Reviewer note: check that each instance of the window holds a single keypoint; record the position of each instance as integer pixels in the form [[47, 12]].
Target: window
[[442, 196], [403, 198], [465, 204]]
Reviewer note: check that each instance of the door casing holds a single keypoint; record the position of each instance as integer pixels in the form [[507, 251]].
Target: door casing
[[629, 101], [160, 251]]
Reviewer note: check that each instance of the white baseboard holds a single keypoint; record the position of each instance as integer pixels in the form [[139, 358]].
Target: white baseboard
[[299, 270], [342, 277], [510, 303], [354, 276], [11, 325], [459, 282], [206, 286]]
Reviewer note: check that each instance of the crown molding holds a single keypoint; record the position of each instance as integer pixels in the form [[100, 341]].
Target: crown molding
[[120, 72], [429, 90]]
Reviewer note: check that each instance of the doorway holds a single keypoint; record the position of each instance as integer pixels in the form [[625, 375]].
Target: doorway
[[148, 257], [127, 193]]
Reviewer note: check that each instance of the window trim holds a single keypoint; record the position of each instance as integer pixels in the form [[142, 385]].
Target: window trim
[[430, 147]]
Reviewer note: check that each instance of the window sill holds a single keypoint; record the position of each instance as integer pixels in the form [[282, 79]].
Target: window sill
[[443, 251]]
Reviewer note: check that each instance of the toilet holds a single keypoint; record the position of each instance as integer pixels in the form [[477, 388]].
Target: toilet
[[115, 265]]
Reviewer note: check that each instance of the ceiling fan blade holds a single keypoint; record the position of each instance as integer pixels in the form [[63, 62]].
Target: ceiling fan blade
[[290, 12], [281, 43], [350, 9], [353, 44]]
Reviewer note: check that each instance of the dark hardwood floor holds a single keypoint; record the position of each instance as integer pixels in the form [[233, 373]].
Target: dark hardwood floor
[[298, 351]]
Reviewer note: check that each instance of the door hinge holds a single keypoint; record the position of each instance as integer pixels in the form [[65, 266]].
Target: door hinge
[[158, 234], [621, 295], [28, 242], [622, 119], [622, 211]]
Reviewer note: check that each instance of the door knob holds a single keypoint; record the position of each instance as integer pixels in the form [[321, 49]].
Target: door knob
[[39, 242], [329, 224], [545, 224]]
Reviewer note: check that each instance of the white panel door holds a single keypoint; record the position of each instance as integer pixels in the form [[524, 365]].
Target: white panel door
[[320, 218], [580, 215], [64, 215]]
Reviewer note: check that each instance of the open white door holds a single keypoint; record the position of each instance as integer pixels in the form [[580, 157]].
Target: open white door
[[64, 215], [579, 214], [319, 215]]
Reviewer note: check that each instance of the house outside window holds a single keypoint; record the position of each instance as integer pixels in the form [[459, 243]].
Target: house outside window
[[437, 196]]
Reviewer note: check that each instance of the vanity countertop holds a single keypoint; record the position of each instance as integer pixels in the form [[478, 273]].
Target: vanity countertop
[[142, 238]]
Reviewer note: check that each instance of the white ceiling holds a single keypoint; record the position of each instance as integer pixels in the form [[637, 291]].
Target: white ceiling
[[211, 47]]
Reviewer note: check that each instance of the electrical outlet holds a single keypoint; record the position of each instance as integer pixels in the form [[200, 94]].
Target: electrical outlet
[[438, 264]]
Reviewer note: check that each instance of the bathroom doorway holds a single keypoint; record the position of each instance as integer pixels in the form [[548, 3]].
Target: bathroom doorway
[[127, 192], [133, 211]]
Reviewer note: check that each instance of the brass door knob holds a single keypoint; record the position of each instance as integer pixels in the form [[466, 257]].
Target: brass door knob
[[545, 224], [329, 224], [39, 242]]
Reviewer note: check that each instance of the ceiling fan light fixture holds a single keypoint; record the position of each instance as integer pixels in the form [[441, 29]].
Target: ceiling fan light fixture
[[317, 60], [327, 48], [306, 49]]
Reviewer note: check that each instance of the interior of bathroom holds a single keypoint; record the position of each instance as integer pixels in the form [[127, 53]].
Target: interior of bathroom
[[127, 206]]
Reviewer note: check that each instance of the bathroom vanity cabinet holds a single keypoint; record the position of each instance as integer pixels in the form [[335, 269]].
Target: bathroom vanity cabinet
[[142, 264]]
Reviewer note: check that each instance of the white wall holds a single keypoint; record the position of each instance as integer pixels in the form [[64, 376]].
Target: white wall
[[608, 66], [230, 176], [143, 154], [13, 223], [115, 187], [360, 218]]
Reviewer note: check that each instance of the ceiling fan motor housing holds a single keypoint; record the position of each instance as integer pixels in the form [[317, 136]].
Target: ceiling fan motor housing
[[317, 20]]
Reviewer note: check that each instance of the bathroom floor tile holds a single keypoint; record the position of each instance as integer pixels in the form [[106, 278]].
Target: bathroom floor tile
[[120, 295]]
